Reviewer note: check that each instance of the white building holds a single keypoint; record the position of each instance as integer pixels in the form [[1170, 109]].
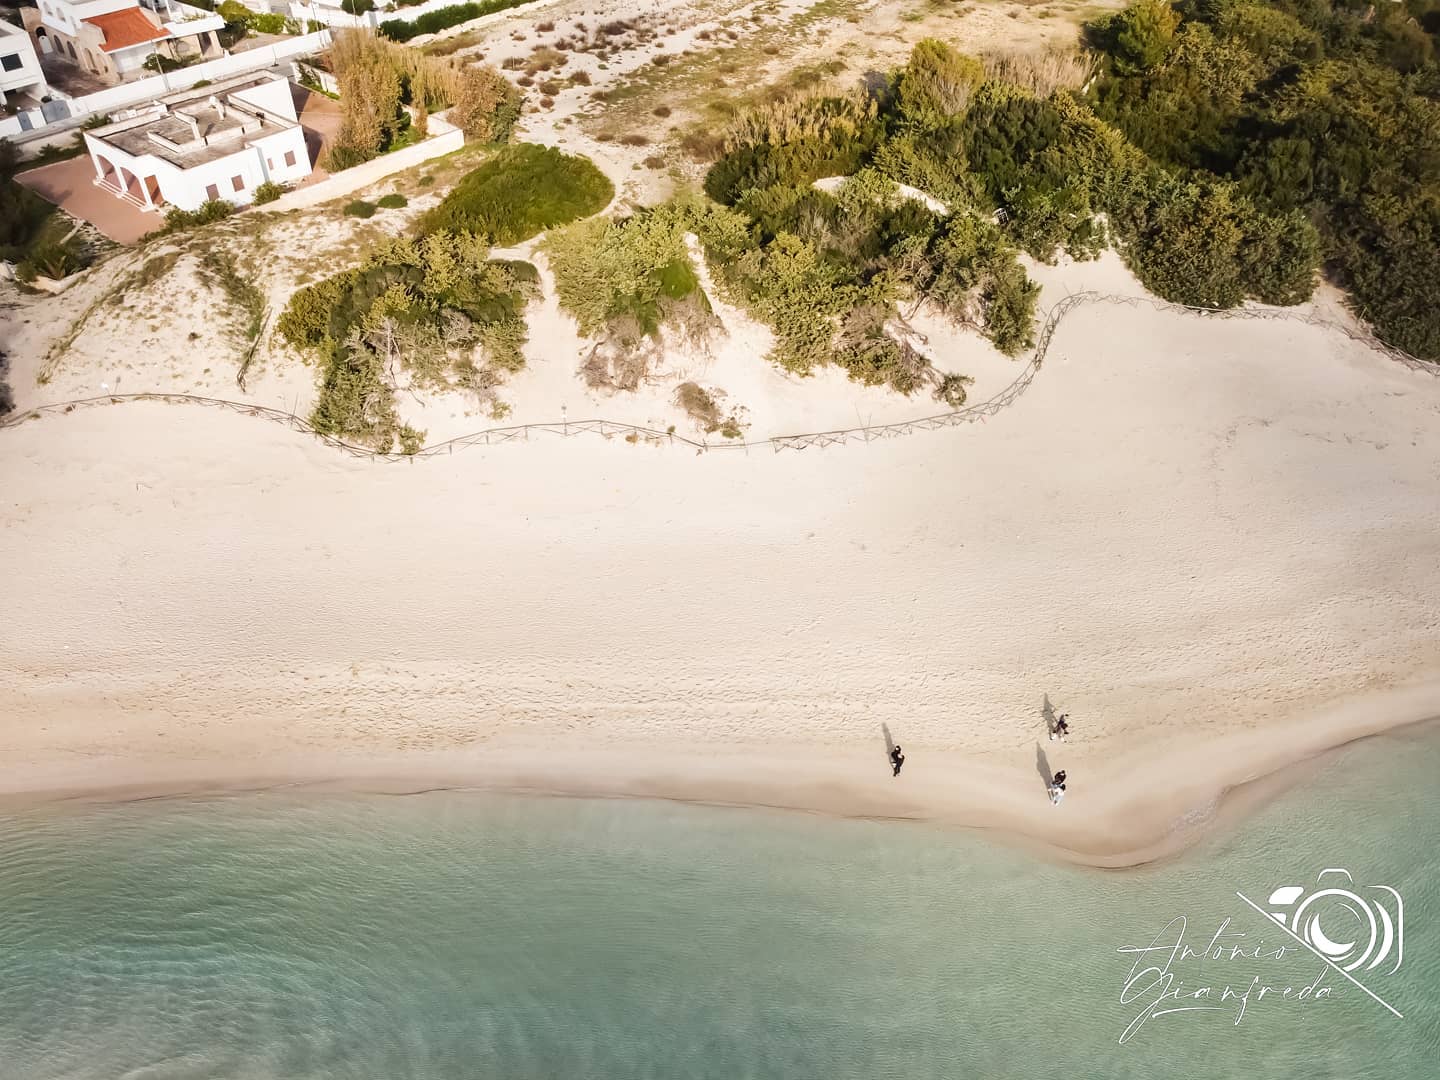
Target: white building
[[20, 74], [112, 39], [218, 142]]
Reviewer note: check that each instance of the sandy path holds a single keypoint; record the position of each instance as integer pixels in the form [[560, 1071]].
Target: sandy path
[[1211, 541]]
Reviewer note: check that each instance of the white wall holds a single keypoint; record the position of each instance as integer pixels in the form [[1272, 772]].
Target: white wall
[[16, 42], [445, 138], [88, 9], [273, 96], [332, 15], [273, 149], [66, 16], [116, 98], [132, 59]]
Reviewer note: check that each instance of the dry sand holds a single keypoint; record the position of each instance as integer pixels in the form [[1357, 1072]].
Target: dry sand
[[1213, 543]]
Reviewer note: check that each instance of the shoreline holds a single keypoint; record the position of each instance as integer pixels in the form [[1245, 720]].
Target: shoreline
[[1214, 550], [1132, 824]]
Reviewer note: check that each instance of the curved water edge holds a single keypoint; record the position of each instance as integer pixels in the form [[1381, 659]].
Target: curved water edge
[[298, 937], [805, 440], [1150, 821]]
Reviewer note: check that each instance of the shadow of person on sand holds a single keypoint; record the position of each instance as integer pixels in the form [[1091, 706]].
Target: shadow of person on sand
[[1042, 766], [1048, 712], [889, 746]]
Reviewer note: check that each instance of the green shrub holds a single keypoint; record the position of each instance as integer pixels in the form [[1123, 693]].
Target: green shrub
[[937, 84], [1323, 116], [635, 271], [210, 211], [237, 14], [51, 259], [433, 22], [520, 192], [360, 209], [437, 308], [795, 143], [268, 192], [393, 201]]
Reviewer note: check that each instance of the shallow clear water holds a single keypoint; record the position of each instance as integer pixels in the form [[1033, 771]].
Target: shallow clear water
[[451, 935]]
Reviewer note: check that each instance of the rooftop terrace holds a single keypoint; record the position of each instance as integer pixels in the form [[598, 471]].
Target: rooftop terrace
[[192, 127]]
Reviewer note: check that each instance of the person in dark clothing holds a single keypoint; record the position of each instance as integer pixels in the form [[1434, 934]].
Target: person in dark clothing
[[1062, 727], [1057, 787], [897, 758]]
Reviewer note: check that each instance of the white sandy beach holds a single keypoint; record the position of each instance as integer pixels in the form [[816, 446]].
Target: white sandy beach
[[1212, 542]]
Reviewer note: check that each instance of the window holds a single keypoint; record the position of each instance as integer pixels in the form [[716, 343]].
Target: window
[[11, 62], [212, 192], [238, 183], [289, 157]]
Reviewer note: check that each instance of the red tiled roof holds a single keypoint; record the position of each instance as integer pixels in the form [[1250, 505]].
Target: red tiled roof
[[125, 28]]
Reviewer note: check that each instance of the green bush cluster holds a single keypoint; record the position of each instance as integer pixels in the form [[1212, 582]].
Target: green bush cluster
[[831, 273], [1044, 174], [520, 192], [433, 22], [268, 192], [177, 220], [1308, 133], [393, 201], [627, 282], [359, 208], [23, 214], [437, 309], [237, 14]]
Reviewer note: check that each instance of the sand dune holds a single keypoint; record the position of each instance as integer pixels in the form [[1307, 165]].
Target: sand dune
[[1213, 543]]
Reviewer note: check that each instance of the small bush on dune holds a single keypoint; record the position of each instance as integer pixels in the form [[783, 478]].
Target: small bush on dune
[[360, 209], [177, 220], [393, 201], [268, 192], [520, 192], [629, 284], [436, 314]]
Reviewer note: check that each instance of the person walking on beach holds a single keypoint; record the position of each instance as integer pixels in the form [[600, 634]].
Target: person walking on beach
[[897, 758], [1062, 727], [1057, 787]]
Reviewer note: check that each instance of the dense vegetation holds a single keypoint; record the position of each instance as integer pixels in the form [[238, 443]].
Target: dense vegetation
[[435, 313], [829, 271], [1325, 112], [1226, 149], [7, 398], [433, 22], [241, 19], [379, 79], [520, 192], [34, 236], [628, 282]]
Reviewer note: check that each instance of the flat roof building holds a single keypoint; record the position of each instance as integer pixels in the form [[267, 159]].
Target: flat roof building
[[218, 142], [111, 40]]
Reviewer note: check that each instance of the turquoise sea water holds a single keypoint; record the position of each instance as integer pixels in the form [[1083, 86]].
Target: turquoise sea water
[[464, 935]]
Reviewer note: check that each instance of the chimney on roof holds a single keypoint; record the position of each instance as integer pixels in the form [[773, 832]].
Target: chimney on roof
[[219, 106]]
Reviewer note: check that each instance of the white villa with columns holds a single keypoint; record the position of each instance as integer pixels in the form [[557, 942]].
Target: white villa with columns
[[217, 142]]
